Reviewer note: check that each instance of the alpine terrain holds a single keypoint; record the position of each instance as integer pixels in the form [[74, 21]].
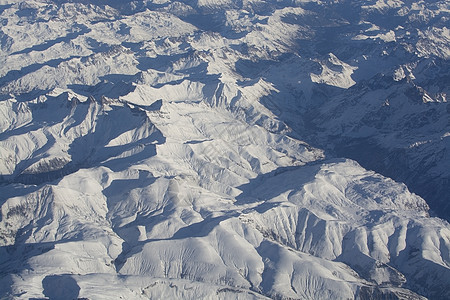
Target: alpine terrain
[[224, 149]]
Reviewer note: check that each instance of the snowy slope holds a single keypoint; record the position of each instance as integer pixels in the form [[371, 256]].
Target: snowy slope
[[200, 149]]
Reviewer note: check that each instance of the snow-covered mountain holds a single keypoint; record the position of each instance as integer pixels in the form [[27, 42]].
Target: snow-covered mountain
[[221, 149]]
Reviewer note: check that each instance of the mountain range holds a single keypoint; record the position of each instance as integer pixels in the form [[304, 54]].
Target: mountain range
[[224, 149]]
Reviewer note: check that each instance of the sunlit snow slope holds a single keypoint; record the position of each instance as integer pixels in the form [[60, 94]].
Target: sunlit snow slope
[[221, 149]]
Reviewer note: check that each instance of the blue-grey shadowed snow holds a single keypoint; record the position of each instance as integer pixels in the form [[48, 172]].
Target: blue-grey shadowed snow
[[295, 92], [124, 29], [54, 110], [25, 96], [111, 86], [116, 79], [97, 46], [6, 287], [155, 106], [132, 246], [113, 3], [202, 228], [159, 63], [397, 164], [4, 7], [147, 150], [370, 68], [4, 97], [5, 40], [114, 192], [109, 125], [272, 184], [90, 149], [16, 74], [197, 73], [164, 63], [128, 250], [60, 287], [10, 190], [136, 47], [207, 22], [269, 251], [254, 69], [312, 110], [215, 22], [80, 30], [27, 12], [13, 259], [21, 166]]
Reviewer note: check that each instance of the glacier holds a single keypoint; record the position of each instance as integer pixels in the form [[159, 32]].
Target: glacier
[[222, 149]]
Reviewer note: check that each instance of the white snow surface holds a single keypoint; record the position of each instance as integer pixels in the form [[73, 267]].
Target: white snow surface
[[191, 150]]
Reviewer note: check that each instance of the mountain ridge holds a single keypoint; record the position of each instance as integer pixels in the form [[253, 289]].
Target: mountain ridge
[[204, 149]]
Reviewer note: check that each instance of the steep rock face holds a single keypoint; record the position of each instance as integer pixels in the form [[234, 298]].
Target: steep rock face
[[174, 149]]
